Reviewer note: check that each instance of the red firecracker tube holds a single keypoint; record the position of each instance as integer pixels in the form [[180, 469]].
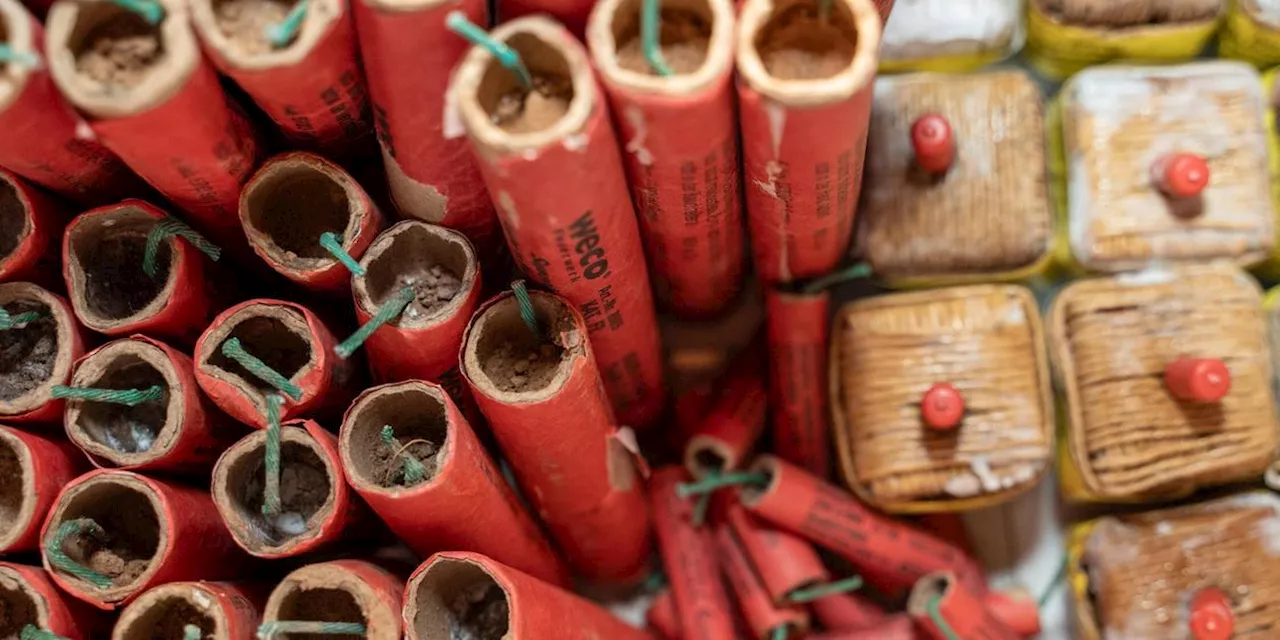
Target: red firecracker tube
[[689, 556], [41, 466], [945, 609], [36, 222], [31, 598], [728, 434], [662, 617], [38, 353], [368, 595], [762, 614], [848, 612], [783, 561], [797, 330], [220, 610]]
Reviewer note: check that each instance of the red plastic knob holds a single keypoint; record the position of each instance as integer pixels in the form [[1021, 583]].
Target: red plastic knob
[[1181, 175], [942, 407], [933, 142], [1211, 617], [1198, 379]]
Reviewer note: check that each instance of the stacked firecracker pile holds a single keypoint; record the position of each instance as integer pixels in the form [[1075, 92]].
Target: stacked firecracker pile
[[322, 319]]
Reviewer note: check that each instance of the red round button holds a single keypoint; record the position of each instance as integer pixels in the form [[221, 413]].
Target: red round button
[[933, 143], [1211, 617], [942, 407], [1198, 379], [1183, 175]]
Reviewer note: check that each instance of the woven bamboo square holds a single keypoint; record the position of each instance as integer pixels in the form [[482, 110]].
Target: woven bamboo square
[[985, 341], [1127, 434], [1144, 569], [989, 213], [1119, 121]]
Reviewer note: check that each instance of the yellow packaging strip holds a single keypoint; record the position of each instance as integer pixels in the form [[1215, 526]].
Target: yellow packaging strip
[[1251, 34]]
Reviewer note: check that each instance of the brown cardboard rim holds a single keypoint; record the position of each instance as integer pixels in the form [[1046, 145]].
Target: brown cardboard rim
[[445, 577], [224, 496], [443, 236], [194, 593], [843, 439], [21, 524], [346, 438], [546, 305], [14, 581], [66, 336], [167, 77], [278, 170], [754, 16], [771, 466], [286, 314], [380, 620], [321, 17], [92, 367], [58, 515], [718, 65], [494, 140], [119, 218], [21, 39], [19, 190], [928, 587]]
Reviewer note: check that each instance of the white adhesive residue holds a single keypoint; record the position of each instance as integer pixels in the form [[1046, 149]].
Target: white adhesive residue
[[635, 118], [452, 117], [777, 115], [1158, 273], [1268, 10], [202, 600], [509, 213], [84, 131], [916, 23], [576, 142]]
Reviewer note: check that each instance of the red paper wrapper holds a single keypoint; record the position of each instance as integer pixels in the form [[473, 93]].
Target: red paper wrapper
[[172, 529], [784, 562], [290, 339], [681, 143], [535, 609], [38, 467], [573, 14], [895, 627], [728, 434], [36, 222], [463, 503], [220, 610], [32, 598], [366, 594], [312, 87], [763, 616], [1017, 611], [208, 146], [565, 207], [579, 477], [52, 343], [849, 612], [797, 330], [889, 551], [408, 56], [44, 140], [185, 436], [962, 613], [662, 616], [689, 555], [102, 258], [803, 140]]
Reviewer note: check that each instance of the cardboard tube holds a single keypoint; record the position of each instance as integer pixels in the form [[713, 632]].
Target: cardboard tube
[[182, 433], [102, 257], [797, 501], [312, 87], [29, 597], [961, 611], [804, 137], [423, 342], [153, 532], [291, 340], [579, 477], [797, 330], [558, 181], [290, 202], [728, 434], [783, 562], [317, 508], [689, 556], [208, 147], [461, 503], [849, 612], [34, 468], [895, 627], [221, 610], [45, 141], [444, 594], [408, 55], [33, 222], [662, 617], [681, 143], [36, 355], [762, 615], [340, 591]]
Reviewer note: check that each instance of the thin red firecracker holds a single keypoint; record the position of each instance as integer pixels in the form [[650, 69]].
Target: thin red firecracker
[[309, 83], [291, 202], [104, 266], [408, 56], [31, 598], [207, 146], [895, 627], [680, 137], [555, 172], [847, 612], [132, 533], [662, 617], [762, 614], [38, 467], [689, 556], [365, 594], [783, 561], [797, 331], [726, 437], [579, 477], [45, 141], [895, 553], [456, 497], [220, 610], [40, 341], [945, 609], [573, 14], [452, 584], [180, 433], [804, 130], [1016, 610], [34, 222]]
